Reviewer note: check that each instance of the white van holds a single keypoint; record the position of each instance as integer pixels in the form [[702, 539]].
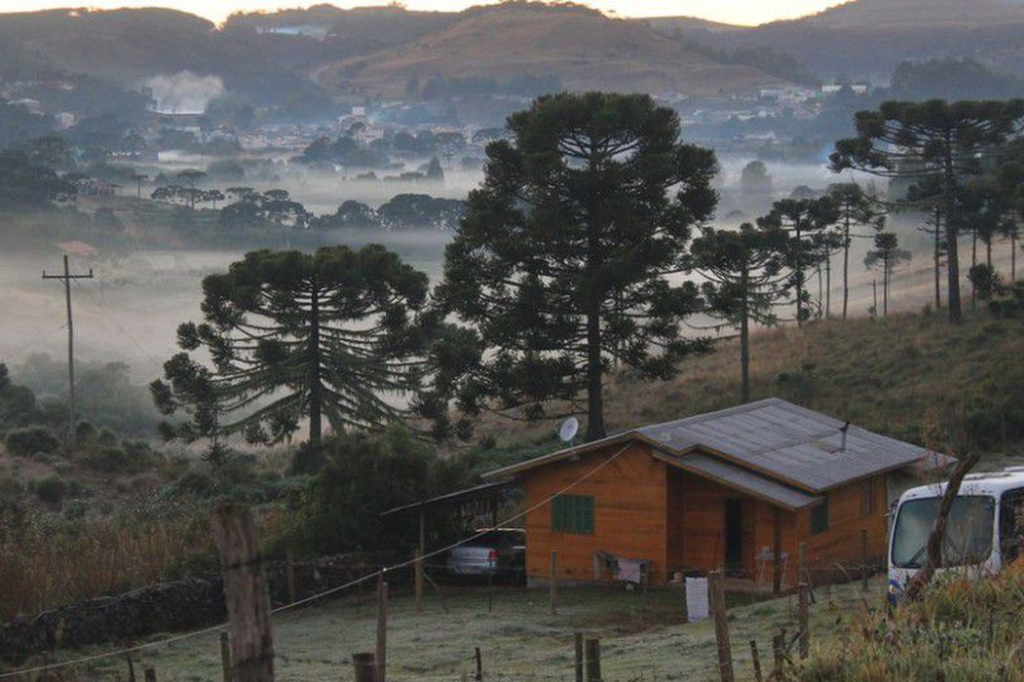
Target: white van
[[983, 534]]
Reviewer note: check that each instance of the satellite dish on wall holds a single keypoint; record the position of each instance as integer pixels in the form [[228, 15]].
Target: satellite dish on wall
[[568, 430]]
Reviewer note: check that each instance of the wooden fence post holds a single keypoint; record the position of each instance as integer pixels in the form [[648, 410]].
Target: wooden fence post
[[578, 641], [419, 580], [593, 656], [131, 669], [420, 567], [801, 575], [247, 594], [365, 667], [225, 656], [755, 657], [863, 560], [805, 622], [554, 581], [382, 629], [779, 652], [718, 610], [479, 666], [150, 675], [777, 553], [289, 574]]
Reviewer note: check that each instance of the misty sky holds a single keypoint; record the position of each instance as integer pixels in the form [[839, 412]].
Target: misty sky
[[732, 11]]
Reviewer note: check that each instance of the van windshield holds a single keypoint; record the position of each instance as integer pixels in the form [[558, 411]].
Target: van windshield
[[968, 533]]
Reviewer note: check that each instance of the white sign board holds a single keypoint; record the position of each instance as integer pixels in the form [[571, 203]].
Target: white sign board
[[697, 599]]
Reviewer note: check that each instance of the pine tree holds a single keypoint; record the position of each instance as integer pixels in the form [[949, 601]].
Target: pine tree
[[801, 219], [562, 261], [859, 217], [886, 256], [338, 333], [926, 196], [747, 278]]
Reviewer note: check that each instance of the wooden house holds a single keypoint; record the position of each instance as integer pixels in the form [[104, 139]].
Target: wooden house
[[732, 489]]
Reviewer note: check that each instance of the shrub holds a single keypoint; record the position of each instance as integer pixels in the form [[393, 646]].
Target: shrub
[[364, 475], [107, 437], [76, 510], [50, 489], [309, 459], [108, 460], [30, 440], [84, 432]]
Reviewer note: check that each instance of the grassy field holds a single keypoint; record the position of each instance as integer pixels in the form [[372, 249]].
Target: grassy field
[[896, 376], [519, 638]]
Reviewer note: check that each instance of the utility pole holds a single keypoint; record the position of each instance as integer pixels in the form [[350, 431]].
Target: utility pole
[[67, 277]]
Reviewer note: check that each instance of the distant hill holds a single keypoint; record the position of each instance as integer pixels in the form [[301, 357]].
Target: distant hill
[[580, 47], [670, 25], [128, 46], [120, 44], [887, 14], [365, 27], [868, 38]]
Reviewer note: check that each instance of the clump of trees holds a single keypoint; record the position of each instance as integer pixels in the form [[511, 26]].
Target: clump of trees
[[28, 184], [939, 147], [803, 220], [402, 212]]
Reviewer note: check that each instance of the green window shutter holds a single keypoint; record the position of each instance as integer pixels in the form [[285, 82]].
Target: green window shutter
[[558, 514], [588, 515], [572, 514]]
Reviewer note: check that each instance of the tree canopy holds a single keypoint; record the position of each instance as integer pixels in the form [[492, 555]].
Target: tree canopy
[[294, 335], [562, 261]]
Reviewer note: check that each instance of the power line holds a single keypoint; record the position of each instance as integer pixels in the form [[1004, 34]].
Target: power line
[[67, 278]]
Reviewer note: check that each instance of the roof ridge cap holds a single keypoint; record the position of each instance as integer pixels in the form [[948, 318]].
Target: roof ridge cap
[[733, 409]]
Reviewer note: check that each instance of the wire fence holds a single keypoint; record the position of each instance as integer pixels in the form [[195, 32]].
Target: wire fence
[[519, 638], [522, 634]]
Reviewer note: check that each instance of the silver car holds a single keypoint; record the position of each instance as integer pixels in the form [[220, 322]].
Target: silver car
[[494, 552]]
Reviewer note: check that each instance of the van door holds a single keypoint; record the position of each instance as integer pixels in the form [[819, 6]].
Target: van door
[[1011, 526]]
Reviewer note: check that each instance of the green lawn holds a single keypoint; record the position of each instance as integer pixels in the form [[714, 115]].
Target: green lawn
[[519, 638]]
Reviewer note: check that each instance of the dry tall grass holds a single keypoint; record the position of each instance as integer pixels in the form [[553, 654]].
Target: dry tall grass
[[963, 630], [48, 561]]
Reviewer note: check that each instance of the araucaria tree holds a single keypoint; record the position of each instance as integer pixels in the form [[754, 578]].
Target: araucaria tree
[[933, 140], [926, 196], [293, 336], [859, 216], [563, 261], [747, 278], [886, 256], [802, 219]]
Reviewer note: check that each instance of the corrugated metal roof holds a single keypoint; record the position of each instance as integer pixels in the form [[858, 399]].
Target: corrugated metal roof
[[793, 445], [787, 442], [746, 481]]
